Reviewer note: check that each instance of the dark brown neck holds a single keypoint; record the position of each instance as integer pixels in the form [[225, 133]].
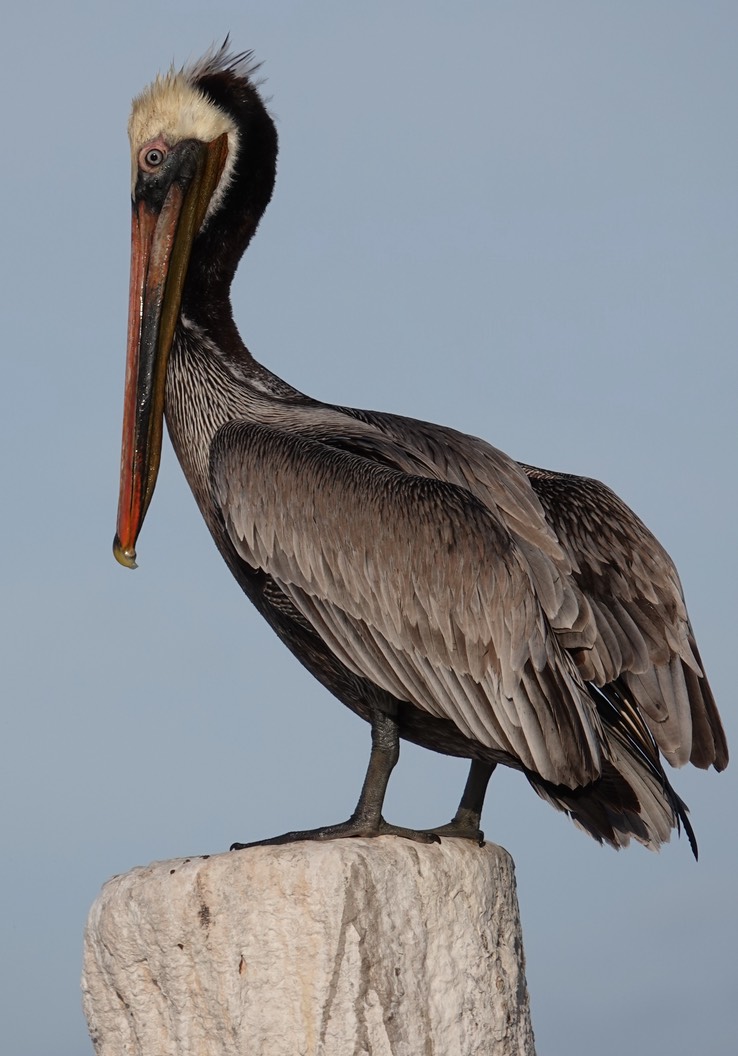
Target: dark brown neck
[[222, 242]]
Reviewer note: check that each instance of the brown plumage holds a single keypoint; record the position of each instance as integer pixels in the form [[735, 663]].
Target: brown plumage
[[441, 590]]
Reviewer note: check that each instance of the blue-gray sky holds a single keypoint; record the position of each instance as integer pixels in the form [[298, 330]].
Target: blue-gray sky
[[516, 219]]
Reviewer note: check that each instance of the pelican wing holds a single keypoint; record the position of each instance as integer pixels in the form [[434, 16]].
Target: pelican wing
[[643, 632], [495, 478], [413, 583], [622, 613], [497, 481]]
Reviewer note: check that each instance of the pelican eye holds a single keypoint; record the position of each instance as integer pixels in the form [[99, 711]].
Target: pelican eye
[[153, 158]]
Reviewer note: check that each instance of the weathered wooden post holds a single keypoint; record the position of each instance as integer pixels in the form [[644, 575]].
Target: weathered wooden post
[[382, 946]]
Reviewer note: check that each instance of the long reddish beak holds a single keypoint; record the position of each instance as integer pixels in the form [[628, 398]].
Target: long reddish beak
[[161, 244]]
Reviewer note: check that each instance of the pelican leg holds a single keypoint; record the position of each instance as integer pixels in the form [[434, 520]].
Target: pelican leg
[[367, 819], [467, 820]]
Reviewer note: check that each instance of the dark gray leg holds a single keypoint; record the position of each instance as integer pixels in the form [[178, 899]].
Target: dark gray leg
[[367, 819], [467, 820]]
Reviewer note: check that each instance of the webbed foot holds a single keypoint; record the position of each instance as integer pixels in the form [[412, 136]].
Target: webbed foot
[[344, 830], [461, 829]]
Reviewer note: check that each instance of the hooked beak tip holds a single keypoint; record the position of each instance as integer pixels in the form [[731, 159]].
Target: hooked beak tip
[[125, 556]]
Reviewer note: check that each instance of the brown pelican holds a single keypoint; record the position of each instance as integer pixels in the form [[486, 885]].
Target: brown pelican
[[444, 592]]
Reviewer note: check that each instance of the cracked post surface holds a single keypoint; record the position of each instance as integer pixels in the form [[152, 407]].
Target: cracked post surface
[[314, 949]]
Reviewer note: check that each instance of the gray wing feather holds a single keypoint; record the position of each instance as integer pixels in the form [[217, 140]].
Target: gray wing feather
[[643, 632], [416, 584]]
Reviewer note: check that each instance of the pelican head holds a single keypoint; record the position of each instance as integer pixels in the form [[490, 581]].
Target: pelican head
[[200, 137]]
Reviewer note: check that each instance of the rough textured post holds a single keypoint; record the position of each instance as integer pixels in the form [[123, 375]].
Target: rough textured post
[[380, 947]]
